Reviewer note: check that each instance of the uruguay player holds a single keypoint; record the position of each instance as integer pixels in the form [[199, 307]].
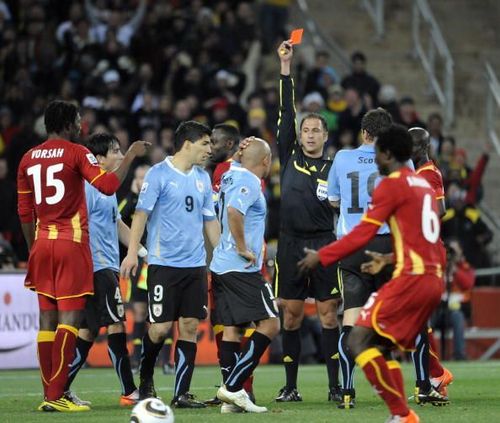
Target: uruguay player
[[241, 294], [176, 202], [105, 308], [351, 181]]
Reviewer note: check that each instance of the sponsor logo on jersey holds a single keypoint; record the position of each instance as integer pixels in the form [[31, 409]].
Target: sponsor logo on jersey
[[244, 190]]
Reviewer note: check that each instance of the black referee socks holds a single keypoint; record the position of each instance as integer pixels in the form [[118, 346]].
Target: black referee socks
[[228, 356], [247, 361], [291, 355], [330, 347], [117, 350]]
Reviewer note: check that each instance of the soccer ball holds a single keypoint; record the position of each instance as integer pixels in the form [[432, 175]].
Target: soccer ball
[[151, 410]]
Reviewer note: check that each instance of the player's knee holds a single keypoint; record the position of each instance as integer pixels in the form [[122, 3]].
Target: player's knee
[[188, 328], [292, 318], [118, 327], [329, 320], [158, 331]]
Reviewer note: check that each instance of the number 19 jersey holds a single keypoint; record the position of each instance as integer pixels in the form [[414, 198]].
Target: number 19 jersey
[[351, 180]]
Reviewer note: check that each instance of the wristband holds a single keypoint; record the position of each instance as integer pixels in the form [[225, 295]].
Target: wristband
[[142, 252]]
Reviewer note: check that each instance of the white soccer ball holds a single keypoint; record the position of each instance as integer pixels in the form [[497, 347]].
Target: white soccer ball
[[151, 410]]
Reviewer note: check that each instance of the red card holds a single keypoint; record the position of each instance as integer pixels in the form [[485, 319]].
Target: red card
[[296, 36]]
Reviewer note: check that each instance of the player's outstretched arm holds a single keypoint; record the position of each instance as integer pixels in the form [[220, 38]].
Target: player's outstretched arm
[[130, 262], [286, 136], [236, 222], [137, 149]]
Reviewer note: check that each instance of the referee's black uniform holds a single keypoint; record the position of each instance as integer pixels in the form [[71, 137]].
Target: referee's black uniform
[[306, 217]]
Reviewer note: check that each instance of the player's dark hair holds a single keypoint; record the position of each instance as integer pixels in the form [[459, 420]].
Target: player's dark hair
[[358, 55], [376, 121], [100, 143], [190, 131], [314, 116], [59, 115], [397, 141], [229, 132]]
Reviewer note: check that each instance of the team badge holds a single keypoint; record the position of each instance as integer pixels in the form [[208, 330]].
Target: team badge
[[199, 185], [120, 310], [157, 310], [322, 190], [144, 187]]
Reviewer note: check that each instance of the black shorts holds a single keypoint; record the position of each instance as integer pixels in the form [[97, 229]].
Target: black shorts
[[105, 307], [321, 284], [357, 286], [242, 298], [175, 292], [138, 295]]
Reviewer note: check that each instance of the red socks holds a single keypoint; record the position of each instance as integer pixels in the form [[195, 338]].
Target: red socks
[[378, 374], [63, 353], [45, 341]]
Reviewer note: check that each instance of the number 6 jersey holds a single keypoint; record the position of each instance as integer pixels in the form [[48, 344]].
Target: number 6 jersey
[[50, 186]]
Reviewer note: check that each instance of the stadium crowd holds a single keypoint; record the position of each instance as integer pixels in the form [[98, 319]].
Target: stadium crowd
[[136, 80]]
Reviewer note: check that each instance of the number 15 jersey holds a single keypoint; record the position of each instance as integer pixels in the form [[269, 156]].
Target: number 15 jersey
[[50, 186]]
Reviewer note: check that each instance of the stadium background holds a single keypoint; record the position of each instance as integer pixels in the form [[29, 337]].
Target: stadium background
[[139, 67]]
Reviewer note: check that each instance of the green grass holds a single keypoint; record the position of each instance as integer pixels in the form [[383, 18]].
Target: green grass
[[475, 397]]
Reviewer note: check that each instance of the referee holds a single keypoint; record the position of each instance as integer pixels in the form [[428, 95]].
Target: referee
[[306, 220]]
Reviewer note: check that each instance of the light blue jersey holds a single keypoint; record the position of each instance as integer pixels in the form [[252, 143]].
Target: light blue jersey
[[241, 190], [352, 179], [103, 217], [177, 204]]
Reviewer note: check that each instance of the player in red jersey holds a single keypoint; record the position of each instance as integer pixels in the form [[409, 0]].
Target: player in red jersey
[[394, 315], [50, 184], [425, 358]]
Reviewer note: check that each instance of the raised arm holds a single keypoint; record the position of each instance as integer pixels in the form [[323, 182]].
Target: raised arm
[[135, 22], [286, 136]]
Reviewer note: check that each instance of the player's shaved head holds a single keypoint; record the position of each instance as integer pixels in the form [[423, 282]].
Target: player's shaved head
[[256, 151], [419, 136], [421, 140]]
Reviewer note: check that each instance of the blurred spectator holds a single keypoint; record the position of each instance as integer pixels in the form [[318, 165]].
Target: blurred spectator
[[408, 115], [273, 16], [455, 307], [321, 76], [435, 128], [388, 100], [350, 118], [463, 222], [366, 84], [105, 21]]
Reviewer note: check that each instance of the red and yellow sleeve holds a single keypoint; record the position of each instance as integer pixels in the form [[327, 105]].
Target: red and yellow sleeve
[[107, 183], [435, 181], [383, 205], [25, 206]]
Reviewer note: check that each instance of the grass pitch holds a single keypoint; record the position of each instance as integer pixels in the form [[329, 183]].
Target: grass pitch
[[475, 397]]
